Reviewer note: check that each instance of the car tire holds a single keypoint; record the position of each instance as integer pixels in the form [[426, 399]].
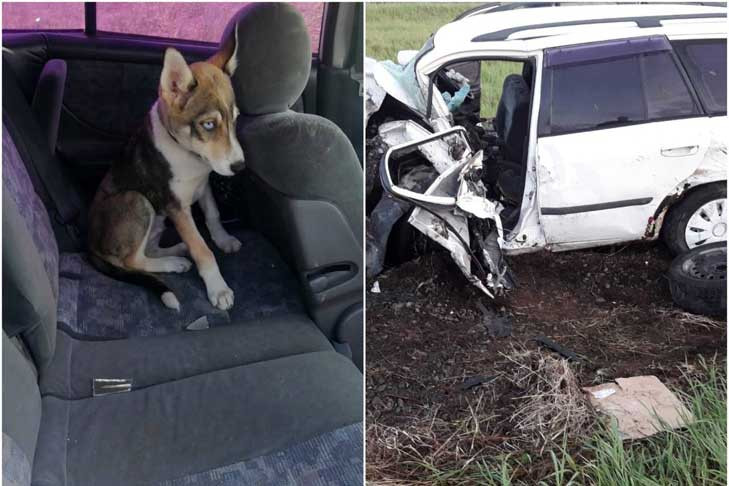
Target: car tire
[[697, 280], [711, 197]]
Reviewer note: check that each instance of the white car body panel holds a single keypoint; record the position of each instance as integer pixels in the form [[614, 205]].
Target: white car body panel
[[614, 166]]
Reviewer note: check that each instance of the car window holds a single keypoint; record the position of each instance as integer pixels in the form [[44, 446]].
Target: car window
[[593, 95], [705, 63], [613, 92], [666, 93], [43, 15], [201, 21]]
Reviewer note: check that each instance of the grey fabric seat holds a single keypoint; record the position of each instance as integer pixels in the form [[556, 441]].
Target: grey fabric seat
[[303, 174], [148, 361], [94, 305]]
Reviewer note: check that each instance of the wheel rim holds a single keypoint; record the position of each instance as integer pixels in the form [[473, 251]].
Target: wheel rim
[[707, 224], [707, 266]]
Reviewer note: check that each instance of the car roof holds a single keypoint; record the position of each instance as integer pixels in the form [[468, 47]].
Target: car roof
[[529, 29]]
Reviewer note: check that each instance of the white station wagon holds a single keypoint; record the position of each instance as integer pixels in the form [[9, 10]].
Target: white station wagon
[[611, 127]]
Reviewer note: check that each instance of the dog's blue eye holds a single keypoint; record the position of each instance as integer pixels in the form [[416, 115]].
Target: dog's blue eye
[[208, 125]]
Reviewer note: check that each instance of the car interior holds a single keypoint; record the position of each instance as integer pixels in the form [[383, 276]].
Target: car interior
[[104, 385], [504, 138]]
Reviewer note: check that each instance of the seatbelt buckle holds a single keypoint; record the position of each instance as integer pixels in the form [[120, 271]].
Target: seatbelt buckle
[[107, 386]]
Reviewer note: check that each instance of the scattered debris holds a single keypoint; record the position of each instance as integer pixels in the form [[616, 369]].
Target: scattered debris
[[498, 326], [566, 353], [641, 405], [376, 287], [477, 380]]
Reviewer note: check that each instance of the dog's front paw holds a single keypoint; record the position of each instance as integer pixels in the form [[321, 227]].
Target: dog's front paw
[[228, 243], [222, 299]]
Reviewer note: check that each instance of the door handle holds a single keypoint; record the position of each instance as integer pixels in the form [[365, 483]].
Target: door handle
[[680, 151]]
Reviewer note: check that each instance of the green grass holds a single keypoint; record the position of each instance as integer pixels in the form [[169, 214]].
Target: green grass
[[693, 456], [392, 27]]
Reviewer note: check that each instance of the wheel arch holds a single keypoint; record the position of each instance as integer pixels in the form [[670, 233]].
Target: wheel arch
[[672, 200]]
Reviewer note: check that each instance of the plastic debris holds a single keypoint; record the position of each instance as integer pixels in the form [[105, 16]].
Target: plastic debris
[[376, 287]]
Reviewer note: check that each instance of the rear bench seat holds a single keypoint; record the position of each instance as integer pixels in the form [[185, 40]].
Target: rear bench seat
[[265, 401]]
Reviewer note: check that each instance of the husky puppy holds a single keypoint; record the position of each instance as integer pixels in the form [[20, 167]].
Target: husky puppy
[[189, 132]]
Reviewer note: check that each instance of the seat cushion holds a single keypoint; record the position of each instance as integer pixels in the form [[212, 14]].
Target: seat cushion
[[331, 458], [197, 424], [153, 360], [94, 305]]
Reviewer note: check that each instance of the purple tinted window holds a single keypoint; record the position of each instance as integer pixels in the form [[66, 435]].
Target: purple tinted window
[[201, 21], [666, 94], [43, 15], [595, 95], [707, 69]]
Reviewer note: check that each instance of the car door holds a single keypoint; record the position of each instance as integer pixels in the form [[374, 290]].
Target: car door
[[619, 128]]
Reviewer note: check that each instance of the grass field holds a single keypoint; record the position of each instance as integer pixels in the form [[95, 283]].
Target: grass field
[[392, 27]]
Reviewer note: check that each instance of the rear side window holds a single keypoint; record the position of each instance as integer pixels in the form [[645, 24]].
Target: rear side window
[[43, 15], [613, 92], [199, 21], [705, 62]]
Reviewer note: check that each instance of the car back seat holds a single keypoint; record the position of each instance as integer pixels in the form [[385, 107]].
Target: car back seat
[[94, 305], [260, 403]]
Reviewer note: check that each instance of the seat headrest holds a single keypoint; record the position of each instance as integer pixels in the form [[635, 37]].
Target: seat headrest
[[272, 57]]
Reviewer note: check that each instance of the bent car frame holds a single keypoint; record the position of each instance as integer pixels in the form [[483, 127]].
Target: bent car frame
[[612, 130]]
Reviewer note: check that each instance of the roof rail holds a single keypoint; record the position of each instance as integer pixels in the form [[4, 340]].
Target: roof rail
[[643, 22]]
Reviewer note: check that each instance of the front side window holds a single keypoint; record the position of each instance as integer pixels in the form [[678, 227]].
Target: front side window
[[613, 92], [705, 62]]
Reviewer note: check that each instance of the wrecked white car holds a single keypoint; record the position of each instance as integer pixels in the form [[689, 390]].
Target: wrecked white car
[[610, 127]]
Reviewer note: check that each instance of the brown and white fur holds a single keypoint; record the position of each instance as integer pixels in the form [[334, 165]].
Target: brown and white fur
[[189, 132]]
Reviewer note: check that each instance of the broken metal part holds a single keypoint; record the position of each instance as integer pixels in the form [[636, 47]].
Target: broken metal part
[[387, 212], [386, 177], [488, 241], [438, 152]]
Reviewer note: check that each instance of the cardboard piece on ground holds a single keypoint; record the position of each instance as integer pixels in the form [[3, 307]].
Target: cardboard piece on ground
[[642, 406]]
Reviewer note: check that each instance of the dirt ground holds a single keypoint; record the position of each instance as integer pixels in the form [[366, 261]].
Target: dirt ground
[[427, 336]]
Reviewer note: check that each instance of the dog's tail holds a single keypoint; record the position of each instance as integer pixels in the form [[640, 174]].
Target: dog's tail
[[143, 279]]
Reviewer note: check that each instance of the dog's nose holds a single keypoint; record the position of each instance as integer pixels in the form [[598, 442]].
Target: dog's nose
[[237, 166]]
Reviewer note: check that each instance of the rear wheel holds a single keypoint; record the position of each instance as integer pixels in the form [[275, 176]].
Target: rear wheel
[[697, 280], [699, 219]]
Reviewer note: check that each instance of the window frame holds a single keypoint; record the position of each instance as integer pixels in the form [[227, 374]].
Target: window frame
[[546, 97]]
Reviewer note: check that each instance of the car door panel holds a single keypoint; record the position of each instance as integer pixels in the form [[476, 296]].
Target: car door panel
[[605, 185]]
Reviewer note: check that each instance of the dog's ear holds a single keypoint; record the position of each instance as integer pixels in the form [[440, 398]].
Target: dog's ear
[[177, 80], [225, 58]]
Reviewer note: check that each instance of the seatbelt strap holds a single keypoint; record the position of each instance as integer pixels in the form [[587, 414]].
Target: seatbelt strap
[[55, 191]]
